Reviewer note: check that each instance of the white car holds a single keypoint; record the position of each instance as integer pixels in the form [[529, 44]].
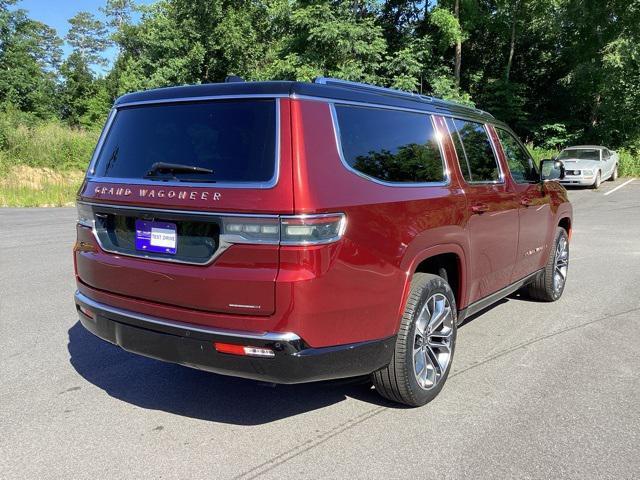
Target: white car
[[588, 165]]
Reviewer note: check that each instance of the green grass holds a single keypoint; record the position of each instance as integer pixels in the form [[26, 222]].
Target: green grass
[[48, 144], [629, 163], [41, 162], [24, 186], [49, 195]]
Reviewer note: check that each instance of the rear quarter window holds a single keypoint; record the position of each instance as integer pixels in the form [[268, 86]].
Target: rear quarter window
[[236, 139], [390, 145]]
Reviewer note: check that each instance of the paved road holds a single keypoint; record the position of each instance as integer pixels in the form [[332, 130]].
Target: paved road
[[537, 390]]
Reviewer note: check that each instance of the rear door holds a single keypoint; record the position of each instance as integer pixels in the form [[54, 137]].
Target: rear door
[[535, 216], [493, 209]]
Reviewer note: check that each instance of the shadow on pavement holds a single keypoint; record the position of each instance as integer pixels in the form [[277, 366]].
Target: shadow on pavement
[[518, 295], [152, 384]]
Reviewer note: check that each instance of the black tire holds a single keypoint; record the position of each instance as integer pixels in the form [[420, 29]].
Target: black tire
[[614, 175], [544, 288], [597, 181], [398, 381]]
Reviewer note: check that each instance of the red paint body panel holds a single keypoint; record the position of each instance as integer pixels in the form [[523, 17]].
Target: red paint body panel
[[345, 292], [244, 275]]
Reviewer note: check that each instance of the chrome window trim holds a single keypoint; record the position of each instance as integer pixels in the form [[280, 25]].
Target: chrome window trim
[[496, 158], [338, 140], [82, 299], [141, 181], [101, 139], [464, 152], [203, 98]]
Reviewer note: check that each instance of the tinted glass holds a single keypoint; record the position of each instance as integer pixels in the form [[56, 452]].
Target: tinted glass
[[580, 154], [477, 160], [522, 168], [390, 145], [236, 139]]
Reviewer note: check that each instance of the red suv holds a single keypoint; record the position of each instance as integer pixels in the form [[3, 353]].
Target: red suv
[[293, 232]]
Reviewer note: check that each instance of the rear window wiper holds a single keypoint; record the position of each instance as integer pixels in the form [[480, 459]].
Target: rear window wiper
[[160, 169]]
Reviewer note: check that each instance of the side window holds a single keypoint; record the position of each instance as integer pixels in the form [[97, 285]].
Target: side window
[[475, 154], [521, 166], [390, 145], [606, 154]]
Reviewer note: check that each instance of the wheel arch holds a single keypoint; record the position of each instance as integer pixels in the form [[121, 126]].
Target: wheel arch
[[451, 258], [565, 222]]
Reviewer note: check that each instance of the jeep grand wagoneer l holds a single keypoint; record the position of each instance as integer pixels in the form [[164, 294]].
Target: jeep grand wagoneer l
[[293, 232]]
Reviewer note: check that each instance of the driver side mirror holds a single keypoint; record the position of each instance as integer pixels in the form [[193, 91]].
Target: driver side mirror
[[551, 169]]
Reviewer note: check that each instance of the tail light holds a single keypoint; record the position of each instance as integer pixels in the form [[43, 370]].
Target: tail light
[[312, 229], [85, 215], [285, 230]]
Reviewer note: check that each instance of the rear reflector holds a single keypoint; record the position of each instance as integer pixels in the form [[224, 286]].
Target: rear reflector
[[242, 350], [86, 312]]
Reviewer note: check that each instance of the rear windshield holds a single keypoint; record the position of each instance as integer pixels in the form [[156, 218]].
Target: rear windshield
[[236, 139]]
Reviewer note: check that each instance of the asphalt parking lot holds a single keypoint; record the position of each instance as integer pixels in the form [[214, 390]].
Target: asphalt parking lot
[[537, 390]]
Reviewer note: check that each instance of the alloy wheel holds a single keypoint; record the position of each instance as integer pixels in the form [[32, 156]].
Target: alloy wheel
[[432, 341], [561, 265]]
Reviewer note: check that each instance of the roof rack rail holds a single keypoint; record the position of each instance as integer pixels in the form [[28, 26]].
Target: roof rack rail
[[395, 92]]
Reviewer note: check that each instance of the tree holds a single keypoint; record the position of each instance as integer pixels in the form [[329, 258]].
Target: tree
[[88, 37], [30, 52], [79, 92]]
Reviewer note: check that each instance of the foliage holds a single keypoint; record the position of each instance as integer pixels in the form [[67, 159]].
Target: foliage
[[20, 187], [29, 54], [540, 154], [553, 136], [88, 37], [27, 140], [557, 71], [629, 163]]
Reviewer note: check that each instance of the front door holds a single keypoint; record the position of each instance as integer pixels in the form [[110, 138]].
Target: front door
[[535, 215]]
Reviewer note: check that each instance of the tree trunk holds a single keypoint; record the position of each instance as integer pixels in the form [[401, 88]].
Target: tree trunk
[[512, 43], [458, 62]]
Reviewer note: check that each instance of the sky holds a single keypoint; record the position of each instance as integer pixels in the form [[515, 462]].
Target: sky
[[55, 13]]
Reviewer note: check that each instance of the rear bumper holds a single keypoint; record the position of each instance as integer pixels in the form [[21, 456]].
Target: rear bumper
[[192, 346]]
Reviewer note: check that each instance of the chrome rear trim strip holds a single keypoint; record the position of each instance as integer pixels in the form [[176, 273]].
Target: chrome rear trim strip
[[99, 307]]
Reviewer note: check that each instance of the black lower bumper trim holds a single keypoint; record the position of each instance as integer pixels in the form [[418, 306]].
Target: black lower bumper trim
[[294, 362]]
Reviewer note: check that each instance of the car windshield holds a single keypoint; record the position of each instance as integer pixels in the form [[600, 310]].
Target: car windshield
[[580, 154]]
